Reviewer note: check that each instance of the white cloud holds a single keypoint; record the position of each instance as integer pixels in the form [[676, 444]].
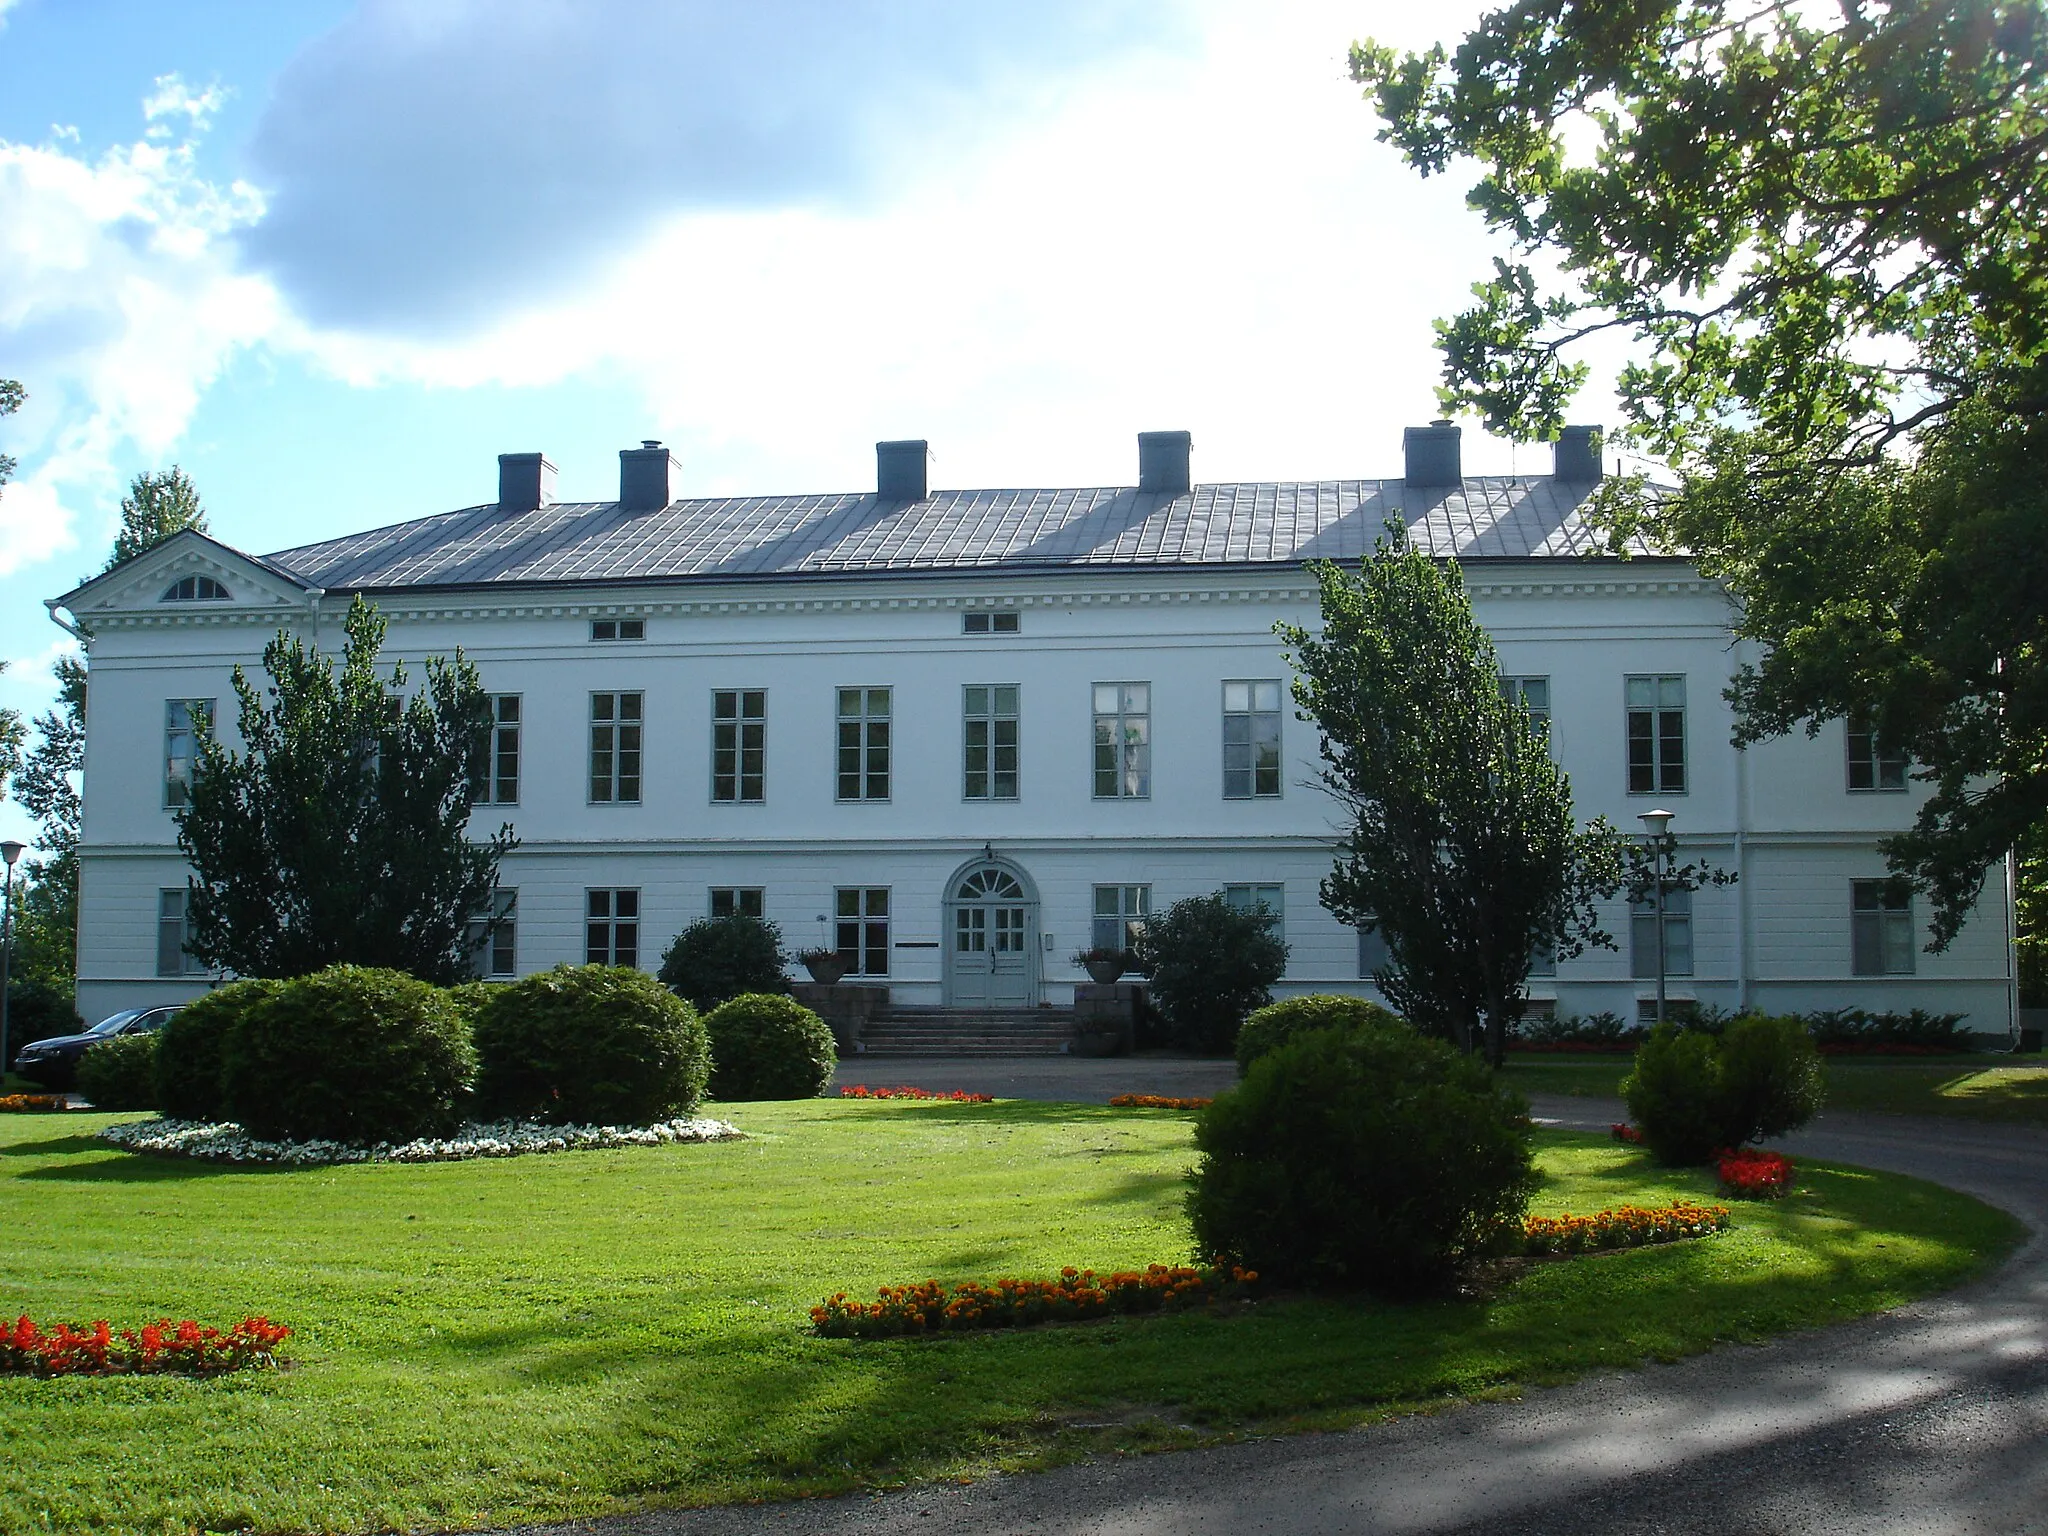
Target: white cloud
[[120, 302]]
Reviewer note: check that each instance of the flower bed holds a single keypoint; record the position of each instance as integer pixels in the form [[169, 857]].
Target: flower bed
[[159, 1348], [1075, 1295], [1751, 1173], [1155, 1101], [32, 1103], [1630, 1226], [861, 1091], [1623, 1132], [225, 1142]]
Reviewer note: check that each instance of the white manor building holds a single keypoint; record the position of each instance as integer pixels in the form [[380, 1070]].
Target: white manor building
[[961, 734]]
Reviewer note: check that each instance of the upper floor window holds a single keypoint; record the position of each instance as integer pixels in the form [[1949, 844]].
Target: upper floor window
[[186, 723], [618, 629], [1251, 740], [864, 743], [1880, 929], [195, 589], [494, 935], [173, 933], [1677, 935], [498, 784], [989, 623], [611, 927], [1533, 695], [989, 714], [1123, 741], [615, 748], [738, 901], [1871, 767], [739, 744], [1656, 735]]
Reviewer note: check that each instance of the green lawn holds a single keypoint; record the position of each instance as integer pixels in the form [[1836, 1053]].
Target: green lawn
[[493, 1342], [1968, 1087]]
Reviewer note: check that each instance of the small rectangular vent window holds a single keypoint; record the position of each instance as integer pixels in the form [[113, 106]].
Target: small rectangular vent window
[[618, 629], [997, 623]]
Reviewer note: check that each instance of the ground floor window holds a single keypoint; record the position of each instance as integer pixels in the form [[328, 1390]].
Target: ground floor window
[[494, 937], [1880, 929], [611, 927], [1642, 925], [173, 932], [1372, 951], [863, 928], [1272, 897], [738, 901], [1119, 909]]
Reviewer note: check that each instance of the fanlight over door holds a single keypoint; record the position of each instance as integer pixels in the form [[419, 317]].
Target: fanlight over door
[[993, 943]]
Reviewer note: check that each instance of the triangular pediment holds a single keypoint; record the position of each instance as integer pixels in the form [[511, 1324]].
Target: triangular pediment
[[189, 575]]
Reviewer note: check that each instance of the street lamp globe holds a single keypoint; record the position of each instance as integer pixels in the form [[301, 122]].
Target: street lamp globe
[[1658, 822], [12, 851]]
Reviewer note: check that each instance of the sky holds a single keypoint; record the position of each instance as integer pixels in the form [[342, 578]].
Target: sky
[[332, 258]]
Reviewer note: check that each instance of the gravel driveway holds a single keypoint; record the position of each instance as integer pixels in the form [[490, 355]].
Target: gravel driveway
[[1933, 1418]]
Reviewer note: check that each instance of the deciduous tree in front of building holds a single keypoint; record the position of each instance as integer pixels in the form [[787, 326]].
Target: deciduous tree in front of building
[[339, 831]]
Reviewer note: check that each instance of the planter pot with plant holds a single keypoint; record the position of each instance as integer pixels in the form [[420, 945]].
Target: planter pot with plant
[[1104, 966], [826, 966]]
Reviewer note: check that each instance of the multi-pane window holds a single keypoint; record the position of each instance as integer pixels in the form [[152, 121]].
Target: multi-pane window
[[1872, 767], [611, 927], [738, 901], [494, 935], [1251, 740], [739, 744], [615, 748], [186, 723], [173, 932], [989, 712], [862, 932], [191, 589], [618, 629], [1123, 741], [1880, 929], [989, 623], [1533, 695], [1656, 735], [499, 782], [1642, 926], [1244, 898], [864, 743], [1372, 951], [1119, 909], [1543, 960]]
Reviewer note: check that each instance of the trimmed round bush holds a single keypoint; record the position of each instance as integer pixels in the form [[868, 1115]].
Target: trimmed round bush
[[589, 1045], [1693, 1095], [1362, 1158], [767, 1047], [118, 1073], [1277, 1023], [192, 1045], [348, 1054], [1209, 964], [719, 958]]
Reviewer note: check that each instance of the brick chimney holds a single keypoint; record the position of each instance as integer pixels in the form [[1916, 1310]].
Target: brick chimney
[[647, 477], [1431, 455], [526, 482]]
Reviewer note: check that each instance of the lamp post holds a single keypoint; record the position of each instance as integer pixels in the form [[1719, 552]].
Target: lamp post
[[11, 851], [1659, 825]]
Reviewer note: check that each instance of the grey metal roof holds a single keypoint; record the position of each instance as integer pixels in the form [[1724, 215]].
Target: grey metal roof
[[757, 537]]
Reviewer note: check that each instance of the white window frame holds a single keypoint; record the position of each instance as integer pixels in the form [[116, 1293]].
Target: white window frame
[[1242, 897], [983, 748], [502, 756], [187, 722], [495, 937], [1121, 750], [618, 735], [1678, 935], [996, 621], [1882, 937], [1251, 716], [1884, 773], [611, 925], [730, 900], [736, 739], [1115, 911], [861, 927], [1532, 695], [866, 731], [174, 922], [1649, 705], [614, 631]]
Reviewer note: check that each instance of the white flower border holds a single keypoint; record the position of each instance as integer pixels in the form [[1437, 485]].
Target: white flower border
[[226, 1142]]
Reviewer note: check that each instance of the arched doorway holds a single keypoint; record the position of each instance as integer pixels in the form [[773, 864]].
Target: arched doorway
[[991, 937]]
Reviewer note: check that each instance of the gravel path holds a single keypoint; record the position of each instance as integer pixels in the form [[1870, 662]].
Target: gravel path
[[1933, 1418]]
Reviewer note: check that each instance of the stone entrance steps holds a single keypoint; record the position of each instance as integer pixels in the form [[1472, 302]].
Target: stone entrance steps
[[969, 1032]]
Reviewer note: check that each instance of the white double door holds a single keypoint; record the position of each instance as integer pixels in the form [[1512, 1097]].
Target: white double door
[[992, 959]]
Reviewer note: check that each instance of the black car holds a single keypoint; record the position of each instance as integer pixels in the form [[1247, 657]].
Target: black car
[[54, 1062]]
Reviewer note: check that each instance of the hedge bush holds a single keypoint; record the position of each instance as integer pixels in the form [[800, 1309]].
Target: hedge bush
[[767, 1047], [37, 1011], [1367, 1157], [589, 1045], [192, 1046], [1208, 965], [719, 958], [119, 1074], [1693, 1094], [1277, 1023], [348, 1054]]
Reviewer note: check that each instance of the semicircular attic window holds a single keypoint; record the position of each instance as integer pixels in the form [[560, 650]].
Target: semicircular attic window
[[195, 589]]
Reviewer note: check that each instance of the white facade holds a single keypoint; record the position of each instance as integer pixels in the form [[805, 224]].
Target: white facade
[[1783, 814]]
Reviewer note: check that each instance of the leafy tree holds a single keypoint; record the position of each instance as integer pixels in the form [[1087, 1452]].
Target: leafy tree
[[47, 786], [1209, 964], [11, 397], [159, 503], [1821, 229], [338, 835], [1463, 849], [719, 958]]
